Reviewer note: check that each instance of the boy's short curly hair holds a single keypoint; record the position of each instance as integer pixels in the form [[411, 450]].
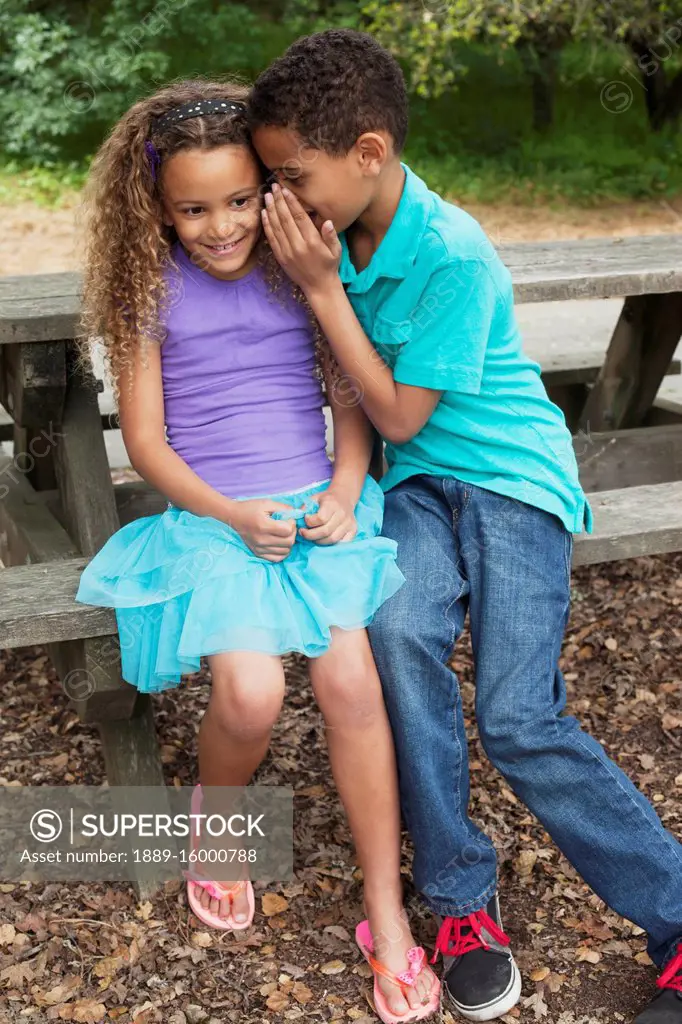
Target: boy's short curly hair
[[329, 88]]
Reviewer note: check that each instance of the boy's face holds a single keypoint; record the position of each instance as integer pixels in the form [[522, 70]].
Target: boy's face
[[332, 188]]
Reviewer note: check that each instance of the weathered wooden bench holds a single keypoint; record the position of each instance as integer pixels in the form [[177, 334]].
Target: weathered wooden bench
[[58, 504]]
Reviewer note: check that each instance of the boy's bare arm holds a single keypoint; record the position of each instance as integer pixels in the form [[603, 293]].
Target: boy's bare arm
[[398, 411]]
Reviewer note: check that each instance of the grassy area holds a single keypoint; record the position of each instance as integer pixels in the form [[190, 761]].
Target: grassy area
[[477, 144], [47, 186]]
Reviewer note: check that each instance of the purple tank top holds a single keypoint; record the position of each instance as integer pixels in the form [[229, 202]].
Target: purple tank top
[[242, 405]]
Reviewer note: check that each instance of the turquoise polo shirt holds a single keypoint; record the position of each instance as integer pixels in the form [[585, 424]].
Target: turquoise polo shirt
[[437, 303]]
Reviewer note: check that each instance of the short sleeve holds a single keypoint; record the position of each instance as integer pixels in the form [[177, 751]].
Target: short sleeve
[[448, 329]]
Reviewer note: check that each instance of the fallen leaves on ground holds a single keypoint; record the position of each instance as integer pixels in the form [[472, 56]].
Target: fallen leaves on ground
[[94, 953]]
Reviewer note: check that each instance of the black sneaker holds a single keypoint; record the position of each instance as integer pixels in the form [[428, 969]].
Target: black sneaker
[[666, 1006], [481, 979]]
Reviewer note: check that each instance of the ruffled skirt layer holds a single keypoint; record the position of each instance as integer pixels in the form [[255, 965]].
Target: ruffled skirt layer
[[184, 586]]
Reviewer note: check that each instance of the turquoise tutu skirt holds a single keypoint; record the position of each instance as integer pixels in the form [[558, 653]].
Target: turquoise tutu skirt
[[184, 586]]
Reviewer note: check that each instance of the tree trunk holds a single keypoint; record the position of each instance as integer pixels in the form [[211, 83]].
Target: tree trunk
[[540, 63], [654, 80], [672, 104]]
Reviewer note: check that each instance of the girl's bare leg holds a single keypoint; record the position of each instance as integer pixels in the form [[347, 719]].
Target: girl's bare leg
[[246, 698], [347, 688]]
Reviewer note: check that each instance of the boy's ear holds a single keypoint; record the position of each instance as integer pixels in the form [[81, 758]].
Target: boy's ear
[[373, 151]]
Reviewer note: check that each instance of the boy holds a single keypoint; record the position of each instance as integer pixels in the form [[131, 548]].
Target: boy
[[481, 495]]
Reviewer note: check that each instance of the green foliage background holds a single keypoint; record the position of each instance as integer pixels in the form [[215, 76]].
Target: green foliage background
[[68, 70]]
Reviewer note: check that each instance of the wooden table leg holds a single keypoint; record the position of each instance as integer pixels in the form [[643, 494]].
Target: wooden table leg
[[122, 714], [639, 354]]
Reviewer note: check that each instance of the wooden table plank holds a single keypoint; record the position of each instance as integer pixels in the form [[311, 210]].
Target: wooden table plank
[[44, 307], [624, 458], [43, 319], [632, 521], [37, 605], [591, 268], [38, 286]]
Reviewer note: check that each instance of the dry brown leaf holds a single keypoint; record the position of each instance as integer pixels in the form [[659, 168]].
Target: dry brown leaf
[[273, 903], [643, 958], [16, 974], [202, 940], [592, 956], [277, 1002], [88, 1011], [8, 931], [536, 1003], [595, 928], [525, 862], [647, 762], [671, 721], [363, 970], [144, 911], [292, 970], [539, 974], [301, 993], [32, 923], [108, 966], [333, 967], [62, 992]]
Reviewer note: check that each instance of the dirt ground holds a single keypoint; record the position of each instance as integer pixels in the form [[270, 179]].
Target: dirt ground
[[92, 953], [36, 240]]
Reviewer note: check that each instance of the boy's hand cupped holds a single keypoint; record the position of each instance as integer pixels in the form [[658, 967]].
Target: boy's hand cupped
[[310, 257]]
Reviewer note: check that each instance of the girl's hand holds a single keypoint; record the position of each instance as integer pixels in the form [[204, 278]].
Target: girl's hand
[[311, 258], [271, 539], [333, 522]]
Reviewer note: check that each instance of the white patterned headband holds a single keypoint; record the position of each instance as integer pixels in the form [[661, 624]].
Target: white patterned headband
[[193, 108]]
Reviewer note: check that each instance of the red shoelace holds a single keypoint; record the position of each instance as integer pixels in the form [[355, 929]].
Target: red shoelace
[[672, 975], [459, 935]]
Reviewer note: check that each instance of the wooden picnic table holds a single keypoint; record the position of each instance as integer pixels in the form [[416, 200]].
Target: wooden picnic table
[[58, 504]]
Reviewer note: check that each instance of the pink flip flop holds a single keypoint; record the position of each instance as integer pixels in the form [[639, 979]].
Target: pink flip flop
[[215, 889], [416, 958]]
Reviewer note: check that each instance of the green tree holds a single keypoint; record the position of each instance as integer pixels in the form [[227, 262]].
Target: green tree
[[426, 34]]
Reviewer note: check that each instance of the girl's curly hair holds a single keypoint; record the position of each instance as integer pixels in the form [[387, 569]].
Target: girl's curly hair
[[126, 243]]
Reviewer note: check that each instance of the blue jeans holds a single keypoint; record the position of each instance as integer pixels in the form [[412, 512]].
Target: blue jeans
[[463, 548]]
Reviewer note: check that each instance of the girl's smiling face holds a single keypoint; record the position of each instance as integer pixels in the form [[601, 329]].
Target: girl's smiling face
[[213, 199]]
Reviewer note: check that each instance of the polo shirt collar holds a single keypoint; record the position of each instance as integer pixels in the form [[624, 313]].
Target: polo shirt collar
[[398, 248]]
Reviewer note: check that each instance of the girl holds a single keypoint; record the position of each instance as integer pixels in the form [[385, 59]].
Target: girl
[[266, 546]]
